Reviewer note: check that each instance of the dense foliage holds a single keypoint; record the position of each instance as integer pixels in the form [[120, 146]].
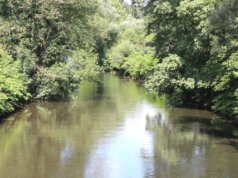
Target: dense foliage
[[51, 46], [41, 34], [196, 41], [189, 51], [131, 54], [13, 88]]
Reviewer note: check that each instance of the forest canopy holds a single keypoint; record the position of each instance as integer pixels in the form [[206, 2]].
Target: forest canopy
[[200, 38], [50, 46], [185, 49]]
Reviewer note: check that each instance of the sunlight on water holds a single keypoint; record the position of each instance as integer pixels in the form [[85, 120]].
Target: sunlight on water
[[114, 129], [113, 158]]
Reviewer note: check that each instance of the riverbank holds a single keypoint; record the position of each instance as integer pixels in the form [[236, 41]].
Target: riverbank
[[191, 103], [50, 46], [193, 70]]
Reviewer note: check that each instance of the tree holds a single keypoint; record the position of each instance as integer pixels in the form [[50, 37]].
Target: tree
[[13, 84], [42, 35], [203, 34]]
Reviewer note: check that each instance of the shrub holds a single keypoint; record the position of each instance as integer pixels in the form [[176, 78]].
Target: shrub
[[13, 88]]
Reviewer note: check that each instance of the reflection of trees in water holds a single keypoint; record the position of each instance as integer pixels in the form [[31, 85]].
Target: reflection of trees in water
[[55, 138], [182, 149], [153, 121]]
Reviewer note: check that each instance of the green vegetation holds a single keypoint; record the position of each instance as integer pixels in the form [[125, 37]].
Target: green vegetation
[[196, 42], [48, 47], [12, 84], [189, 52], [186, 49], [131, 54]]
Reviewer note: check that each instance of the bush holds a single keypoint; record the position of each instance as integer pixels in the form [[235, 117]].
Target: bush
[[13, 90], [226, 86], [118, 54], [132, 54], [61, 79], [167, 78], [140, 65]]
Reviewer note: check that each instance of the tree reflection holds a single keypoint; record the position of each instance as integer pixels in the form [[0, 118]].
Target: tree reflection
[[54, 139], [123, 130], [185, 148]]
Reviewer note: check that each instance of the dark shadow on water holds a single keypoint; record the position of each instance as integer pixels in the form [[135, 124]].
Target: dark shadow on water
[[234, 143], [213, 127], [2, 121], [192, 120]]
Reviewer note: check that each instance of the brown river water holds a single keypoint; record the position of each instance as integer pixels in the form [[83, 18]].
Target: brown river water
[[114, 129]]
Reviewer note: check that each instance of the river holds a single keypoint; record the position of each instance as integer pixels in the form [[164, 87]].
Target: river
[[114, 129]]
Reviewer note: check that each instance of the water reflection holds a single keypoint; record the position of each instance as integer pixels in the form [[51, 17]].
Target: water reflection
[[128, 152], [114, 129], [185, 149]]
